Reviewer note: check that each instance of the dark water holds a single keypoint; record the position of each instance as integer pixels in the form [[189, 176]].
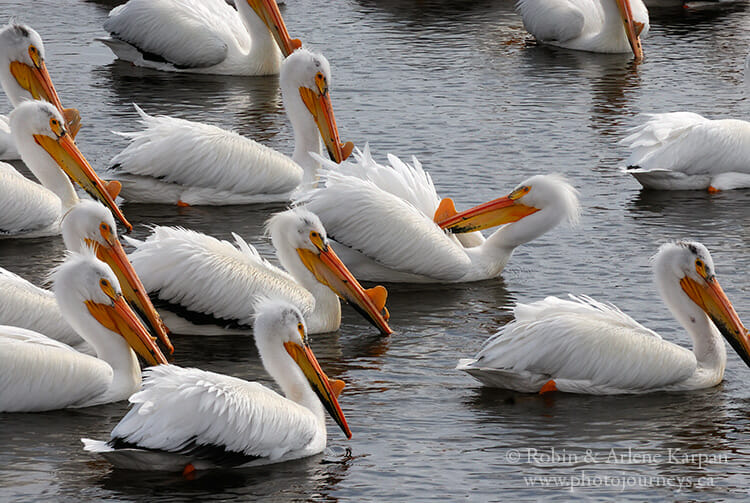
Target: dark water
[[455, 84]]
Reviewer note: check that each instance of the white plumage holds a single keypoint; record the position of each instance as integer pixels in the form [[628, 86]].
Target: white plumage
[[382, 236], [199, 275], [586, 25], [175, 160], [38, 373], [585, 346], [180, 161], [25, 305], [27, 209], [683, 150], [8, 150], [199, 36], [192, 417]]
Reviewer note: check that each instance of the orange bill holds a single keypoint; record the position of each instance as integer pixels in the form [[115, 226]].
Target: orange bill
[[120, 318], [305, 359], [632, 28], [65, 152], [318, 102], [133, 290], [37, 82], [710, 297], [268, 11], [499, 211], [331, 271]]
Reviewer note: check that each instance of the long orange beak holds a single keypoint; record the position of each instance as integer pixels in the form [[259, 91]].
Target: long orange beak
[[268, 11], [133, 290], [499, 211], [319, 104], [331, 271], [710, 297], [37, 82], [305, 359], [120, 318], [65, 152], [632, 28]]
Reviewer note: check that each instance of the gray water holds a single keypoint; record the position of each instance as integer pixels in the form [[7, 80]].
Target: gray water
[[457, 85]]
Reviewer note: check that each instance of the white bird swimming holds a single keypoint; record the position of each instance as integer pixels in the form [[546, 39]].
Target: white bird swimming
[[185, 418], [87, 224], [185, 162], [200, 36], [50, 153], [8, 150], [38, 373], [382, 236], [610, 26], [24, 75], [685, 151], [585, 346], [205, 285]]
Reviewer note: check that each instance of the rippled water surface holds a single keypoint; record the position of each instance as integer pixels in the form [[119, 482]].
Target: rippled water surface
[[458, 85]]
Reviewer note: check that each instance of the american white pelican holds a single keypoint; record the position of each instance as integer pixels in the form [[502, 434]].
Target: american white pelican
[[87, 224], [180, 161], [24, 75], [200, 36], [50, 153], [27, 209], [683, 151], [38, 373], [187, 419], [585, 346], [382, 237], [613, 26], [205, 285]]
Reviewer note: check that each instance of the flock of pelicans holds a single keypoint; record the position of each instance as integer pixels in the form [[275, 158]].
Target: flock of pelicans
[[389, 225]]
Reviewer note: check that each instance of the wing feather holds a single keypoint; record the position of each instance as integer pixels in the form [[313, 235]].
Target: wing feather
[[25, 305], [585, 340], [553, 20], [180, 408], [190, 34], [200, 155], [689, 143], [26, 206], [38, 373], [385, 228], [211, 276]]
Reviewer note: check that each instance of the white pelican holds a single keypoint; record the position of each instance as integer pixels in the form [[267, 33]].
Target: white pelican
[[27, 209], [50, 153], [384, 237], [24, 75], [185, 162], [187, 419], [200, 36], [87, 224], [585, 346], [210, 285], [613, 26], [38, 373], [683, 151]]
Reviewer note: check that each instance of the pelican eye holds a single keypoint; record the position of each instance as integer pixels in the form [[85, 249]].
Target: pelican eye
[[35, 56], [57, 127], [321, 83]]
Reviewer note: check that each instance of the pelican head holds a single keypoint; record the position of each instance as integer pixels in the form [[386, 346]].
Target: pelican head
[[690, 264], [268, 12], [41, 137], [279, 323], [551, 194], [24, 75], [89, 224], [89, 296], [299, 230], [634, 23], [308, 75]]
